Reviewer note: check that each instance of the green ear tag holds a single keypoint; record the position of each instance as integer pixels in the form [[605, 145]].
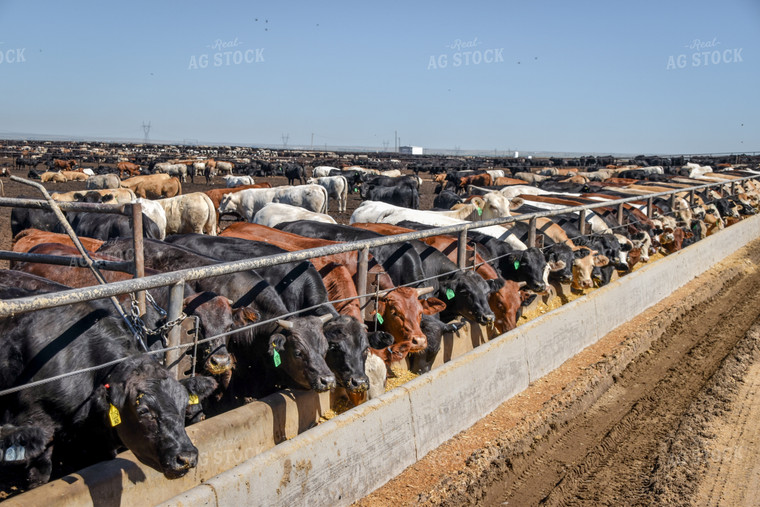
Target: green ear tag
[[379, 318], [480, 211], [517, 264], [449, 294], [276, 357]]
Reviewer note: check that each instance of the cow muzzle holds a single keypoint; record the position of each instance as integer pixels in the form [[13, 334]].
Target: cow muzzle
[[181, 463], [323, 383], [357, 384], [218, 363]]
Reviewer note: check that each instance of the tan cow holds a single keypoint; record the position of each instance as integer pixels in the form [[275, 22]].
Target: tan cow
[[74, 175], [120, 195], [155, 186], [189, 213], [52, 176]]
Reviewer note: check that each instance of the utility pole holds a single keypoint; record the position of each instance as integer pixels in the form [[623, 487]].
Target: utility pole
[[312, 140], [285, 138], [146, 130], [395, 141]]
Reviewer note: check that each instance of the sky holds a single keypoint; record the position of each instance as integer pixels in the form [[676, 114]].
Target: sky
[[593, 76]]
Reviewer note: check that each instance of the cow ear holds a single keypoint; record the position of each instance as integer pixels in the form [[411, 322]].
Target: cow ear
[[600, 261], [495, 284], [526, 298], [516, 202], [431, 306], [539, 240], [380, 339], [106, 197], [276, 342], [243, 316], [200, 386], [78, 196]]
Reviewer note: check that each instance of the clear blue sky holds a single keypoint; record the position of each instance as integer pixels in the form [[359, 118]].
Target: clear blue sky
[[580, 76]]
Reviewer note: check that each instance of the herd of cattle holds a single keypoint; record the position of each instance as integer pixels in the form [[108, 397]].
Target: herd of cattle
[[302, 323]]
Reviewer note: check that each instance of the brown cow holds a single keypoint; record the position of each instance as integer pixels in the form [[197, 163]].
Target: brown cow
[[128, 167], [480, 180], [65, 165], [505, 180], [29, 238], [400, 309]]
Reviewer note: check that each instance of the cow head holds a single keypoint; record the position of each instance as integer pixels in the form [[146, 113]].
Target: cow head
[[146, 406], [583, 267], [347, 349], [466, 294], [401, 311], [216, 316], [507, 304], [527, 266], [434, 330], [301, 348], [559, 257]]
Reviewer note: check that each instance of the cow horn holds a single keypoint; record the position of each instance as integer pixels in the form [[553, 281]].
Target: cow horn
[[421, 291], [285, 324], [231, 302], [325, 318], [522, 284]]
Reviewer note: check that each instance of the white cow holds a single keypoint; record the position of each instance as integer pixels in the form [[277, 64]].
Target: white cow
[[225, 167], [102, 181], [322, 171], [337, 188], [247, 202], [275, 213], [178, 170], [189, 213], [154, 211], [89, 172], [384, 213], [237, 181], [392, 173], [496, 173], [376, 371]]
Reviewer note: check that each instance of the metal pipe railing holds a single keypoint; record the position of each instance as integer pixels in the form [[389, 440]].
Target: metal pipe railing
[[20, 305]]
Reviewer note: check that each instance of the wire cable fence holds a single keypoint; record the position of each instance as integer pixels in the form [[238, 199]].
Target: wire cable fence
[[26, 304]]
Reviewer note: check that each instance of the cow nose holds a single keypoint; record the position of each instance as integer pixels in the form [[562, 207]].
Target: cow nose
[[486, 318], [540, 287], [419, 342], [186, 460], [218, 363], [358, 384], [325, 383]]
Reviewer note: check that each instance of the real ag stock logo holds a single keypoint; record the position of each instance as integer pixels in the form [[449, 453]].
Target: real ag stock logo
[[704, 53], [226, 53], [465, 53]]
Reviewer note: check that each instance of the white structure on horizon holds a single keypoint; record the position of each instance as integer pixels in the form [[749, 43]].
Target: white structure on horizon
[[410, 150]]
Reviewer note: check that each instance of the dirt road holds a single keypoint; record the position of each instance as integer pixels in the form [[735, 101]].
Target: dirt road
[[661, 411]]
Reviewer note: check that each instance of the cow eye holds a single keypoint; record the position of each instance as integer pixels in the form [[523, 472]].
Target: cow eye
[[297, 353]]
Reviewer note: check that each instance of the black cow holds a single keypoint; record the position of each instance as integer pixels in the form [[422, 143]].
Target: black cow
[[405, 196], [527, 266], [91, 225], [434, 329], [300, 346], [300, 286], [135, 403], [294, 172], [400, 261], [446, 199], [389, 181]]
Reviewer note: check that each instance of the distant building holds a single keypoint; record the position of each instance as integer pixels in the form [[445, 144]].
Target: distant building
[[410, 150]]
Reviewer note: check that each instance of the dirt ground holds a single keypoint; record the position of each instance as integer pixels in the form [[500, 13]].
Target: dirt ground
[[661, 411]]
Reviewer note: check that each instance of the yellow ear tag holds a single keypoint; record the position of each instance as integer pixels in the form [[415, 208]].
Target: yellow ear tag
[[193, 400], [113, 415]]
